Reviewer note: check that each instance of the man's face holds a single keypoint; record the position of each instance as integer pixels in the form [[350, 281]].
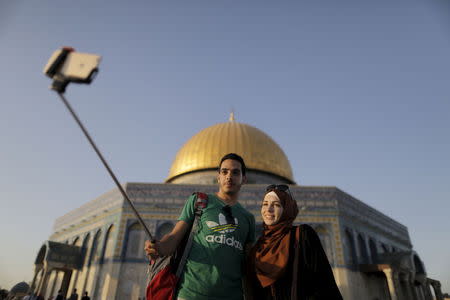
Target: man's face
[[230, 177]]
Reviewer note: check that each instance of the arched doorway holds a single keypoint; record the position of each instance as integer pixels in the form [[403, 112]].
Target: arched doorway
[[54, 256]]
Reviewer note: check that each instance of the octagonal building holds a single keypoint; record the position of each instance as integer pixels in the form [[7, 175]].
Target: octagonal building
[[98, 247]]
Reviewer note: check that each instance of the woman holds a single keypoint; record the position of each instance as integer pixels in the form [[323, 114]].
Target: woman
[[288, 262]]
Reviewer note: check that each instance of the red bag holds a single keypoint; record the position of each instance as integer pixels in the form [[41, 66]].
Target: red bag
[[163, 285], [164, 272]]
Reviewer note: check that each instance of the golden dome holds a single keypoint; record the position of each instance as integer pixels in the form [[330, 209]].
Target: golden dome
[[205, 149]]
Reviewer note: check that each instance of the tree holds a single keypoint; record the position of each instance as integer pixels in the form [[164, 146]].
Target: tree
[[3, 294]]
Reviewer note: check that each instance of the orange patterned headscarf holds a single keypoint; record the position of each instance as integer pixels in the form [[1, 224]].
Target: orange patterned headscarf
[[272, 248]]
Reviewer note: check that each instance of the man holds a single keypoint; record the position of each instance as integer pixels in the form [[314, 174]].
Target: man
[[74, 295], [60, 295], [226, 231], [85, 297]]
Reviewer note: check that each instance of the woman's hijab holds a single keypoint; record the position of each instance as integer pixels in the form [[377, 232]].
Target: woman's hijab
[[272, 248]]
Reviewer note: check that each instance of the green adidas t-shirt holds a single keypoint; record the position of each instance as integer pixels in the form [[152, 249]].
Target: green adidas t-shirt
[[214, 267]]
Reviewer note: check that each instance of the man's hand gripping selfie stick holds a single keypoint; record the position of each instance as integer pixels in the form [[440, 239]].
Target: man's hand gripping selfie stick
[[67, 66]]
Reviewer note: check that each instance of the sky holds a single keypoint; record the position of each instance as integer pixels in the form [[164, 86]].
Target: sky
[[357, 94]]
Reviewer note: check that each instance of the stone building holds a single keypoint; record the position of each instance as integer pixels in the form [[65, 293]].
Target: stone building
[[98, 247]]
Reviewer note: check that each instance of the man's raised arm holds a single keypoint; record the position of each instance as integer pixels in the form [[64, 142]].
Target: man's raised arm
[[168, 243]]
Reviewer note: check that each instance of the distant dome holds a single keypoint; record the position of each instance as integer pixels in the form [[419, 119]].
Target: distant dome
[[205, 149], [20, 288]]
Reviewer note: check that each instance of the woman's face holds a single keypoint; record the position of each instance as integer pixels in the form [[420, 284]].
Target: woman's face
[[271, 209]]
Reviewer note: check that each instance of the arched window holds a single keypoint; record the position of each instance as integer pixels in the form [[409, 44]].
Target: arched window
[[135, 242], [94, 252], [78, 281], [350, 248], [103, 278], [74, 278], [84, 249], [364, 257], [108, 251], [164, 229], [385, 248], [93, 259], [373, 251]]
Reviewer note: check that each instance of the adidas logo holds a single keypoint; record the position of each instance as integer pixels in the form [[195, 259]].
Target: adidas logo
[[223, 226], [222, 239]]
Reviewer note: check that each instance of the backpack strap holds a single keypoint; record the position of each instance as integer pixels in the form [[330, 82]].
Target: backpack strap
[[201, 202]]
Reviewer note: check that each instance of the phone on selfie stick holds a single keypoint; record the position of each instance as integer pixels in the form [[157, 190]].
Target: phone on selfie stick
[[66, 66]]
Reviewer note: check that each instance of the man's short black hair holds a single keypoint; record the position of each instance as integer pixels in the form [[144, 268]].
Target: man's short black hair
[[235, 157]]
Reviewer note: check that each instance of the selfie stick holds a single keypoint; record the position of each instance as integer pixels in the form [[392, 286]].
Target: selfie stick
[[59, 84]]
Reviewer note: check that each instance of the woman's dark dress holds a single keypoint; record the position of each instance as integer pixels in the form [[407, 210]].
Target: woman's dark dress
[[315, 278]]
